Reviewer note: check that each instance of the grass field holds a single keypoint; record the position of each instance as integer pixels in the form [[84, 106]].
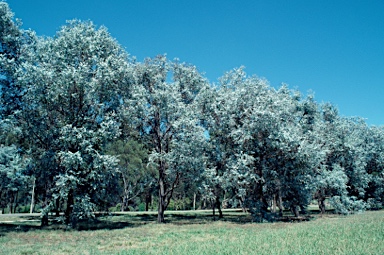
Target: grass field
[[196, 233]]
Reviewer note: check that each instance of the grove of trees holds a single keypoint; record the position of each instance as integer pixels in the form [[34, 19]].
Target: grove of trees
[[84, 127]]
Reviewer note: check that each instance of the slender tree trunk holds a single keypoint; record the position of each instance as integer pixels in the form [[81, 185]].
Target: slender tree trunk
[[148, 199], [57, 207], [124, 205], [10, 201], [321, 204], [69, 209], [242, 205], [44, 216], [274, 203], [263, 203], [295, 210], [218, 205], [44, 220], [33, 196], [15, 201], [1, 204], [263, 207], [280, 204], [194, 201], [162, 201]]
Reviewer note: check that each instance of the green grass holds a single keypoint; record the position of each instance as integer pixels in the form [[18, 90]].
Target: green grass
[[197, 233]]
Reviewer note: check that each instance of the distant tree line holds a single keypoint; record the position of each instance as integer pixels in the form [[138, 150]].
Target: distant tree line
[[84, 127]]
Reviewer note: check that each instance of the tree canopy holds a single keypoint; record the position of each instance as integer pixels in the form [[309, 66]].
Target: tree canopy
[[88, 128]]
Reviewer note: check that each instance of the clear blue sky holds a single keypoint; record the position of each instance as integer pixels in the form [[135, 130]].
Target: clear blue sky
[[332, 47]]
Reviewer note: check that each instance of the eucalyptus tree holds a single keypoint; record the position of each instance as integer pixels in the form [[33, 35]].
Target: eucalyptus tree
[[13, 180], [375, 168], [283, 154], [330, 178], [342, 175], [136, 178], [74, 83], [358, 146], [163, 108], [258, 148], [11, 39], [308, 114], [216, 107]]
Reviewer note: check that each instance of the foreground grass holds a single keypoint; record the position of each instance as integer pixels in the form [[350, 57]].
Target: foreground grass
[[197, 234]]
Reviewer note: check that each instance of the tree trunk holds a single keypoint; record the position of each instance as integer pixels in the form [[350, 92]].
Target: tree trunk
[[44, 215], [262, 201], [162, 201], [194, 201], [124, 205], [241, 202], [148, 199], [160, 211], [274, 204], [15, 202], [33, 196], [218, 205], [44, 220], [69, 209], [295, 210], [321, 204], [280, 204], [263, 207], [57, 207]]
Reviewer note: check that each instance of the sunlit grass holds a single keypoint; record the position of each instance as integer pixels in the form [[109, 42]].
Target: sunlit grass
[[199, 234]]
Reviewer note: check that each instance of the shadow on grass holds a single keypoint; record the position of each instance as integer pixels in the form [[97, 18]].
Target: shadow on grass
[[111, 221], [237, 217], [16, 227]]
